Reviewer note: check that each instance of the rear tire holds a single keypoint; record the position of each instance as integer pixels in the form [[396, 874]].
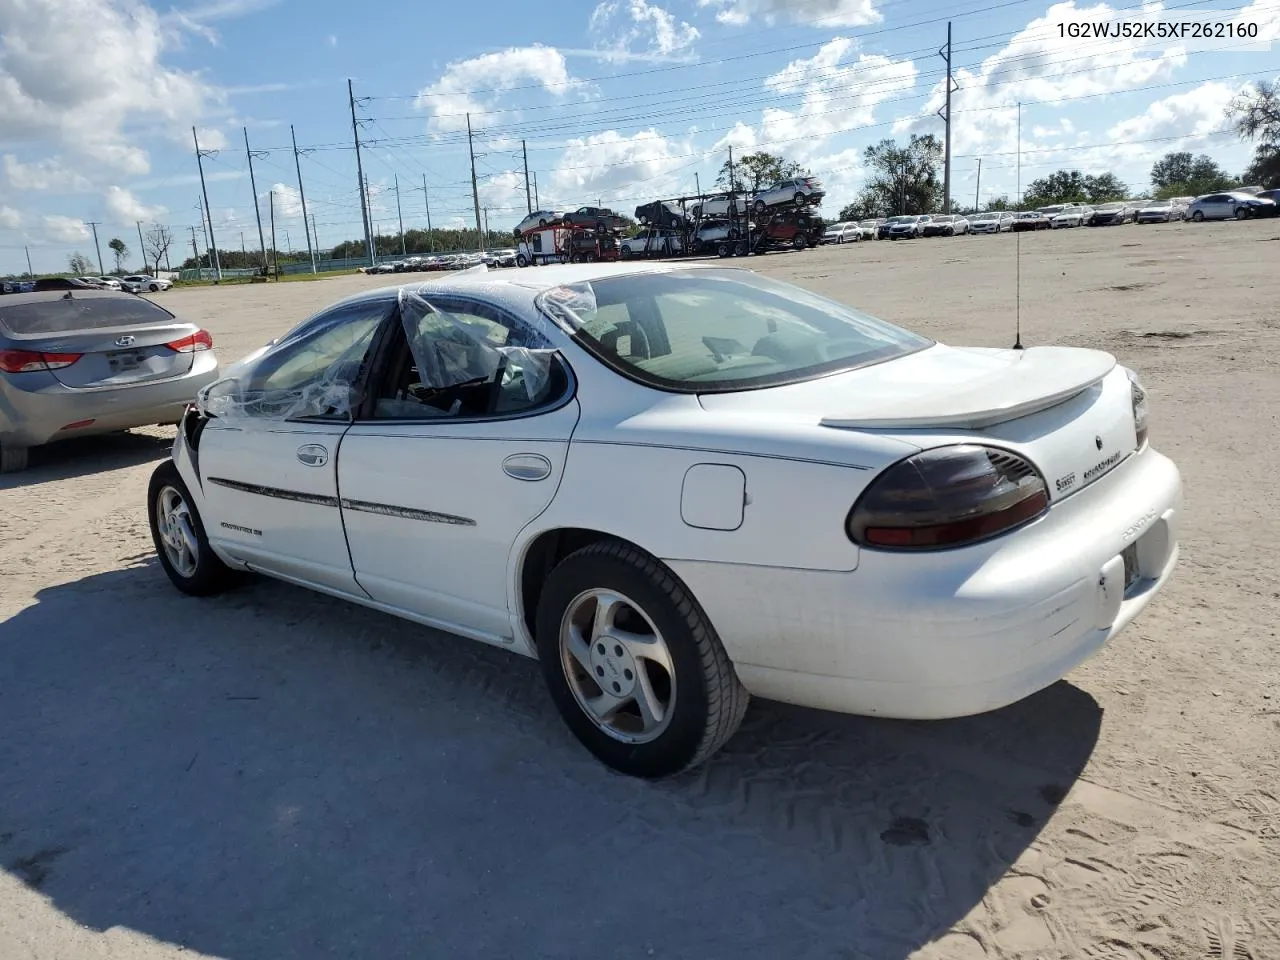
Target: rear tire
[[671, 662], [179, 536], [12, 459]]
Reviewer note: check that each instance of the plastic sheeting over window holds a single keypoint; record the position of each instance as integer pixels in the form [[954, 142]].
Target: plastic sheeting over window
[[316, 372], [450, 351]]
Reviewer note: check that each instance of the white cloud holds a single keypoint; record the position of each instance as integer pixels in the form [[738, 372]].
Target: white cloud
[[73, 73], [836, 94], [615, 168], [333, 40], [48, 174], [474, 85], [820, 13], [619, 25], [1198, 113], [10, 219], [126, 209], [288, 202], [504, 194], [66, 229]]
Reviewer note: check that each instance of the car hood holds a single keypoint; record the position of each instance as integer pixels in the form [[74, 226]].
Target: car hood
[[941, 386]]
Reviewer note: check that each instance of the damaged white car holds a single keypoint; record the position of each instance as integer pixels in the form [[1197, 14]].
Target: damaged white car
[[679, 485]]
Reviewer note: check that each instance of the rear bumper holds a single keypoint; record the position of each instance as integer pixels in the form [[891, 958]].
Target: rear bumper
[[38, 411], [958, 632]]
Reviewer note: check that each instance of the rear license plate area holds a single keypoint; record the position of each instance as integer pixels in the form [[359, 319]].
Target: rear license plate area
[[1132, 571], [122, 361]]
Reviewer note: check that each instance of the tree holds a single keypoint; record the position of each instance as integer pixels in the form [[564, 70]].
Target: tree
[[754, 171], [157, 241], [1255, 115], [998, 204], [80, 264], [121, 250], [904, 179], [855, 211], [1180, 174], [1072, 186]]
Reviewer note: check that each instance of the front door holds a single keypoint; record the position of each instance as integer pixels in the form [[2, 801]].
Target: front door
[[462, 446], [268, 458]]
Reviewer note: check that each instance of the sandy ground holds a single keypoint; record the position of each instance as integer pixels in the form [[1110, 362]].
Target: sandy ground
[[274, 775]]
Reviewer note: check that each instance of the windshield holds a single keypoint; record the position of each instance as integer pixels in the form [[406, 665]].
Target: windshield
[[717, 330], [946, 218]]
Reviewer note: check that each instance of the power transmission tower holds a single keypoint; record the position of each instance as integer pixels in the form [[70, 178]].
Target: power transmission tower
[[475, 191], [213, 243], [528, 200], [431, 243], [253, 185], [275, 254], [94, 224], [360, 180], [303, 197], [945, 113], [404, 250]]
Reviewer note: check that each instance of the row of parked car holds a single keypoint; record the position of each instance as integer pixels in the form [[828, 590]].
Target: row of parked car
[[1227, 205], [137, 283], [448, 261]]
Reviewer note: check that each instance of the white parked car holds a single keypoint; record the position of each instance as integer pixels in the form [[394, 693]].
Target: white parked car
[[800, 191], [991, 222], [110, 283], [868, 228], [718, 206], [679, 485], [842, 233], [1159, 211], [1231, 203], [1072, 216], [539, 218], [147, 284]]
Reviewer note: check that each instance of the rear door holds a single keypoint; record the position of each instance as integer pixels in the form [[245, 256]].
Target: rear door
[[268, 459], [461, 446], [121, 339]]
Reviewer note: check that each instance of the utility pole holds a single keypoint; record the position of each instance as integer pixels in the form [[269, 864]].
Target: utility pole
[[275, 254], [288, 244], [431, 243], [94, 224], [486, 223], [195, 252], [316, 234], [143, 247], [243, 250], [945, 113], [404, 251], [372, 226], [475, 192], [303, 197], [977, 186], [213, 243], [697, 185], [360, 181], [253, 185], [536, 201], [528, 200], [30, 272]]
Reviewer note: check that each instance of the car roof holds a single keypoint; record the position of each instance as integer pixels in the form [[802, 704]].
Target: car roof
[[87, 293]]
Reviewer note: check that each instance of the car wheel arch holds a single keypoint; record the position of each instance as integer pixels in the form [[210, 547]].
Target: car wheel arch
[[541, 555]]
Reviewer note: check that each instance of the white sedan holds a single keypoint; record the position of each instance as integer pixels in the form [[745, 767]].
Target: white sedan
[[679, 485], [148, 284]]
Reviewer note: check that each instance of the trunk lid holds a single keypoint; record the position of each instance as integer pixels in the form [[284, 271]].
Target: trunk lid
[[121, 338], [1068, 410]]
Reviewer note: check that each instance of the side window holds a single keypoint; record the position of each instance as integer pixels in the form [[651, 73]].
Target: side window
[[312, 373], [461, 359]]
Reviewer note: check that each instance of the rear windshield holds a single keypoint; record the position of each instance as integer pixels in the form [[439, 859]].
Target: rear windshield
[[64, 315], [713, 330]]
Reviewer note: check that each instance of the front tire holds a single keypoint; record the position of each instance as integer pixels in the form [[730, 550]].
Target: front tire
[[179, 536], [1198, 216], [632, 663]]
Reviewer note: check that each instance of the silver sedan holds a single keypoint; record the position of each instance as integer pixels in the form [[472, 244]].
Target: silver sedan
[[78, 362]]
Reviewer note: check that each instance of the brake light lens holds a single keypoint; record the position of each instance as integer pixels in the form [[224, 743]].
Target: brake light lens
[[1139, 395], [200, 340], [30, 361], [948, 497]]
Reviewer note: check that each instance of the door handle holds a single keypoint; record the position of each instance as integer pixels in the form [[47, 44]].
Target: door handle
[[527, 466], [313, 455]]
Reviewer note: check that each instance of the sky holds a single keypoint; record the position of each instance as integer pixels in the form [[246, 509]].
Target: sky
[[617, 102]]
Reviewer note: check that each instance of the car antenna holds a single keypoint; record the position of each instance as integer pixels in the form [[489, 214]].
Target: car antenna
[[1017, 249]]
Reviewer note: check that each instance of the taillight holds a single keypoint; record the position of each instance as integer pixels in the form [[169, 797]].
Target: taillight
[[200, 340], [947, 497], [29, 361], [1139, 396]]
